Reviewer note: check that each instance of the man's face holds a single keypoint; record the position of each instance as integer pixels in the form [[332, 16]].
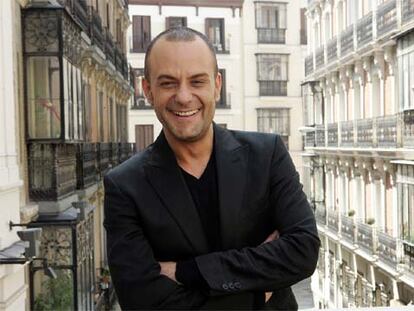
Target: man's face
[[183, 88]]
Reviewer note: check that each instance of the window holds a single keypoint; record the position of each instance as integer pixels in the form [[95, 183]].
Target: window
[[304, 28], [405, 190], [141, 33], [215, 33], [274, 120], [140, 102], [271, 22], [222, 103], [175, 21], [144, 136], [272, 74]]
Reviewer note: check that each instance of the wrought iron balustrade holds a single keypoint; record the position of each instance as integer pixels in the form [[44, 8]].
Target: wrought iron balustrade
[[96, 31], [348, 229], [386, 130], [271, 35], [333, 135], [273, 88], [349, 280], [347, 41], [365, 293], [409, 255], [364, 30], [364, 132], [109, 47], [114, 154], [320, 214], [333, 222], [310, 139], [347, 133], [80, 13], [386, 17], [320, 135], [104, 157], [86, 165], [52, 171], [308, 64], [387, 249], [407, 11], [319, 57], [365, 237], [118, 60], [408, 128], [332, 49]]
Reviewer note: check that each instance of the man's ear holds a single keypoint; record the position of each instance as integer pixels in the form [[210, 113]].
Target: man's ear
[[217, 86], [147, 90]]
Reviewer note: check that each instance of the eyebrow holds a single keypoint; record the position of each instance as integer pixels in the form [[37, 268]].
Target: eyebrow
[[168, 77]]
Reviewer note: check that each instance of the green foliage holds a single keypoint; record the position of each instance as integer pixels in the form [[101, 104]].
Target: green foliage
[[57, 295]]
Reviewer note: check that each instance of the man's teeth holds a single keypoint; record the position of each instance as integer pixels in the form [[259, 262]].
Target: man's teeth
[[185, 113]]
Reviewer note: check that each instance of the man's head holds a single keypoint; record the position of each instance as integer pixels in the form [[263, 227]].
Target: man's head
[[182, 83]]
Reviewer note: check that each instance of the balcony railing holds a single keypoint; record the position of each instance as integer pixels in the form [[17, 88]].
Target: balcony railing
[[409, 255], [386, 17], [386, 131], [365, 237], [319, 57], [333, 135], [349, 280], [347, 133], [86, 165], [114, 154], [364, 132], [333, 221], [332, 49], [310, 139], [365, 298], [407, 11], [320, 135], [109, 47], [347, 41], [348, 229], [104, 157], [364, 30], [387, 249], [408, 128], [272, 88], [96, 31], [320, 214], [271, 35], [308, 65]]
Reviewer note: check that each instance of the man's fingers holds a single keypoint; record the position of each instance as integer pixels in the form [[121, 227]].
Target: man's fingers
[[268, 295], [273, 236]]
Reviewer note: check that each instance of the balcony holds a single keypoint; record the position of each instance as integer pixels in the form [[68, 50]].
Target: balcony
[[365, 295], [52, 171], [409, 255], [349, 280], [310, 139], [109, 47], [79, 11], [347, 133], [96, 31], [320, 135], [114, 154], [364, 30], [319, 57], [333, 221], [386, 131], [387, 249], [333, 135], [386, 17], [407, 11], [125, 151], [320, 214], [86, 165], [408, 128], [348, 228], [273, 88], [365, 237], [104, 157], [347, 41], [308, 65], [332, 50], [271, 35], [365, 131]]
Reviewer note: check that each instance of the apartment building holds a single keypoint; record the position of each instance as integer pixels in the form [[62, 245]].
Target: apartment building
[[64, 96], [358, 117], [260, 48]]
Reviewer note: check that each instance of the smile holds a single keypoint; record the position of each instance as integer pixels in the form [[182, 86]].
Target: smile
[[185, 113]]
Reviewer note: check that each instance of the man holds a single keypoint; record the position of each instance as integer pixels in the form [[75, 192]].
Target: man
[[191, 220]]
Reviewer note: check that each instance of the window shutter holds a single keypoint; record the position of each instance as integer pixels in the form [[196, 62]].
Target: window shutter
[[136, 33], [146, 27]]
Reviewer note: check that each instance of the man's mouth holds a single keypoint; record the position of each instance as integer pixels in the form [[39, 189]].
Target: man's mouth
[[185, 113]]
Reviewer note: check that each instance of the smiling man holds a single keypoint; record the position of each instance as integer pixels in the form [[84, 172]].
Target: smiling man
[[205, 218]]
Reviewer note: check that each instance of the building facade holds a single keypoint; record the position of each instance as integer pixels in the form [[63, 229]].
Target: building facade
[[64, 99], [260, 47], [357, 103]]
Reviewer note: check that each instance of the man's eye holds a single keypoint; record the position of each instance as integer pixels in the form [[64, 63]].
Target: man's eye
[[197, 82], [167, 84]]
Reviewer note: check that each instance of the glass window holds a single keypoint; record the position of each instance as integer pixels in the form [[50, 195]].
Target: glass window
[[272, 74], [140, 102], [274, 120], [215, 33], [141, 33], [270, 15], [175, 21], [43, 95]]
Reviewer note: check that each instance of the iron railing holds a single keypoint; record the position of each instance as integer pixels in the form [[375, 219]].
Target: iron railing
[[386, 17], [332, 49], [387, 248], [319, 57], [365, 237], [273, 88], [308, 65], [333, 221], [320, 135], [364, 30], [348, 228], [347, 133], [333, 135], [365, 131], [271, 35], [347, 41]]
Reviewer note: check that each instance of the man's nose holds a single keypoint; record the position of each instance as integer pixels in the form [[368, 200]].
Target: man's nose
[[183, 95]]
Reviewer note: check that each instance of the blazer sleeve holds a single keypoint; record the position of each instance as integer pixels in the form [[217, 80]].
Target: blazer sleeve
[[134, 270], [279, 263]]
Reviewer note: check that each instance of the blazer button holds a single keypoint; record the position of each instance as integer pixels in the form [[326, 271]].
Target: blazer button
[[231, 285], [237, 285], [225, 286]]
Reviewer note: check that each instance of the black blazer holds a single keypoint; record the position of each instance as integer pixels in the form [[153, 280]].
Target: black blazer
[[150, 217]]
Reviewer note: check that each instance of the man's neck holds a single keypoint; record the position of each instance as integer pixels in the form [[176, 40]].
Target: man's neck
[[193, 157]]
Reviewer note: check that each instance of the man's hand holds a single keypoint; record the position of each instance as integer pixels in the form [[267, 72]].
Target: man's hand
[[273, 236], [168, 269]]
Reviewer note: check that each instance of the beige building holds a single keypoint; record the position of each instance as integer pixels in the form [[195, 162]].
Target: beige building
[[260, 48], [64, 96], [358, 108]]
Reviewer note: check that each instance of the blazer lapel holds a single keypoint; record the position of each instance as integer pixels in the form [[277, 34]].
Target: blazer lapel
[[164, 175], [231, 160]]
